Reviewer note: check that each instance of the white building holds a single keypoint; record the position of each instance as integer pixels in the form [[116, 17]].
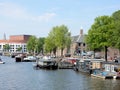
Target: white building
[[15, 42]]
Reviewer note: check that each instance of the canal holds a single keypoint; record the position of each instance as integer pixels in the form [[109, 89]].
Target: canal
[[22, 76]]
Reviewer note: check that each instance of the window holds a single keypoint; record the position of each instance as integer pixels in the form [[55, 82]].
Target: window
[[84, 44], [79, 44], [107, 67], [112, 68]]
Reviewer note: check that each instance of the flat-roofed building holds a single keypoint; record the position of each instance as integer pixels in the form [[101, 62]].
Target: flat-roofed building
[[15, 42]]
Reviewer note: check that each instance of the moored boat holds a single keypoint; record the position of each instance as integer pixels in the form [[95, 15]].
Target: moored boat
[[88, 65], [30, 59], [47, 63], [1, 62]]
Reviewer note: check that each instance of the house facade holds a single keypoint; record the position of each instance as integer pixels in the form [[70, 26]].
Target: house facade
[[15, 42], [77, 46]]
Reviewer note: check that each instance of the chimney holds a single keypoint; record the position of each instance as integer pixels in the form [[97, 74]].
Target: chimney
[[81, 31]]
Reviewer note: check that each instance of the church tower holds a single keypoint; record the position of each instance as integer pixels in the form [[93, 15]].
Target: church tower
[[4, 37]]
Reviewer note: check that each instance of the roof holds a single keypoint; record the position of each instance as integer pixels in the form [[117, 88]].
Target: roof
[[111, 63], [78, 39], [13, 41], [16, 39]]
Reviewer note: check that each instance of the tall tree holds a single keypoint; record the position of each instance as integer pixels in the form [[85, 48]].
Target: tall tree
[[62, 37], [32, 44], [101, 33], [50, 42], [40, 46], [116, 17], [58, 38]]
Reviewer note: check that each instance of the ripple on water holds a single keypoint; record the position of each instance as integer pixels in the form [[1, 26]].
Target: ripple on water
[[22, 76]]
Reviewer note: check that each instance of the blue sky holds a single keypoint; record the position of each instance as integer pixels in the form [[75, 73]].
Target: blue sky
[[38, 17]]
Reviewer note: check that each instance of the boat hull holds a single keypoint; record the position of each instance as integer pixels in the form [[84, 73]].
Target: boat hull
[[47, 64], [2, 62]]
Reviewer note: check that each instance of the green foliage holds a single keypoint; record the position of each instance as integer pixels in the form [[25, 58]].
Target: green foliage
[[116, 17], [6, 47], [49, 44], [59, 37], [100, 33], [19, 49], [32, 44], [50, 41], [40, 45], [62, 38]]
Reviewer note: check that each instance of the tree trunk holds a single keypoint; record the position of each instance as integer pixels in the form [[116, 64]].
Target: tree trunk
[[106, 53], [94, 53], [54, 52], [62, 52], [119, 53]]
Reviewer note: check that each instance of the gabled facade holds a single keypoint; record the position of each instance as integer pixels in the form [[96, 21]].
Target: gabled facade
[[78, 45]]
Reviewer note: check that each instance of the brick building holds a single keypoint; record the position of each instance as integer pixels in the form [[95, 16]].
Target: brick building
[[77, 46], [15, 42]]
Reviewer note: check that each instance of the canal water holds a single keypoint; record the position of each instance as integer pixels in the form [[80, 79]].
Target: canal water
[[22, 76]]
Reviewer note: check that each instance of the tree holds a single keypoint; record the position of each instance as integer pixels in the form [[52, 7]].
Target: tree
[[6, 47], [50, 42], [62, 37], [116, 17], [40, 46], [19, 49], [101, 33], [32, 44], [58, 38]]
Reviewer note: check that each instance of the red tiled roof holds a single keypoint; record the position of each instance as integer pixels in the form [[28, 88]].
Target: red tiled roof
[[4, 41]]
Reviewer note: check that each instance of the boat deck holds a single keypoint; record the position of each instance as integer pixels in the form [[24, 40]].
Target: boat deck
[[105, 77]]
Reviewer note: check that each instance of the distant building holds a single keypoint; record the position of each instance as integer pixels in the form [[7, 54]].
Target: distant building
[[15, 42], [77, 46]]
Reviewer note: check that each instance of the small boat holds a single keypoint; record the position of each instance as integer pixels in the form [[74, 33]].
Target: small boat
[[29, 59], [1, 62], [47, 63], [19, 58]]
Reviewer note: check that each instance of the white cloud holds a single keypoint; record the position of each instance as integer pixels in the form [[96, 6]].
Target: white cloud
[[15, 11], [45, 17]]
